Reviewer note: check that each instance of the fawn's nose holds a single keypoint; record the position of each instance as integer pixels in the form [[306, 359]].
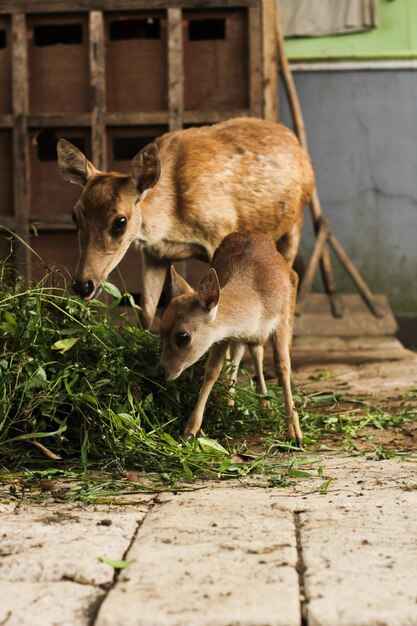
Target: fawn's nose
[[160, 373], [83, 288]]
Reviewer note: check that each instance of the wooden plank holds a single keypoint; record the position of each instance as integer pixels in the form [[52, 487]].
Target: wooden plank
[[48, 120], [175, 70], [20, 148], [69, 6], [318, 319], [307, 281], [270, 61], [98, 89], [211, 117], [139, 118], [255, 61]]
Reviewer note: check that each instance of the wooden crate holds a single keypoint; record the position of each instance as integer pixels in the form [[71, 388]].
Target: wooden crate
[[110, 75], [57, 49], [212, 42], [123, 143], [51, 198], [136, 61]]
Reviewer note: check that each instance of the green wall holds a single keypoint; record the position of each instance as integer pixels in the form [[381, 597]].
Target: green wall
[[394, 38]]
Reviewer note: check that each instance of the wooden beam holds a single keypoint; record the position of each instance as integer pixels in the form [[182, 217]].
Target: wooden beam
[[68, 6], [52, 120], [255, 61], [306, 283], [357, 279], [270, 61], [211, 117], [175, 70], [20, 147], [98, 89], [139, 118]]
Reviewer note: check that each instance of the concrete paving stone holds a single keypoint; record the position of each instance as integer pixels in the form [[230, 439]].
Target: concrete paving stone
[[352, 478], [212, 557], [47, 604], [64, 542], [361, 562]]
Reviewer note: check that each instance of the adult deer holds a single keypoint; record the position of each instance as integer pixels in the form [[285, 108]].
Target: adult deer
[[183, 195]]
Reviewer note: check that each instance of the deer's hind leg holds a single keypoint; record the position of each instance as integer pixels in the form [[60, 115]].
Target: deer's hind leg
[[257, 353], [237, 350]]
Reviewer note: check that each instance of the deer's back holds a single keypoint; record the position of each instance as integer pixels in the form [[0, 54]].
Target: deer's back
[[250, 267], [242, 174]]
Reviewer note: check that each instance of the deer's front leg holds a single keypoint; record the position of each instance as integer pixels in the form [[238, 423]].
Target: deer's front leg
[[211, 374], [153, 278]]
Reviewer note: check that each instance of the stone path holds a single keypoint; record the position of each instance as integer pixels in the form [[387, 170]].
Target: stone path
[[229, 554]]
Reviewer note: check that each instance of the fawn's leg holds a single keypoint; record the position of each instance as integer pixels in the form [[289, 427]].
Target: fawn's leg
[[211, 374], [281, 343]]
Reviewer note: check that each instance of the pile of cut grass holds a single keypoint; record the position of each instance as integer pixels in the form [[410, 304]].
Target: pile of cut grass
[[77, 389], [77, 395]]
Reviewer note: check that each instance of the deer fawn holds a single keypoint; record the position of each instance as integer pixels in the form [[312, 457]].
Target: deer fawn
[[246, 296], [184, 194]]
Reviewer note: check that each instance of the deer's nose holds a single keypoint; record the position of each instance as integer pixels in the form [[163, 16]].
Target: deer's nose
[[83, 288]]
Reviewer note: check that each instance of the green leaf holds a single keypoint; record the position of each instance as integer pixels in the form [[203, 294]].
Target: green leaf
[[211, 445], [111, 289], [63, 345], [116, 563]]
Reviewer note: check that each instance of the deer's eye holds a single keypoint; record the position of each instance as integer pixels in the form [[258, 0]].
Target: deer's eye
[[182, 339], [118, 225]]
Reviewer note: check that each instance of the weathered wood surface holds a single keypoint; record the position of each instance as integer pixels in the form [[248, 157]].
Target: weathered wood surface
[[20, 148], [255, 61], [270, 60], [57, 6], [98, 89], [175, 70]]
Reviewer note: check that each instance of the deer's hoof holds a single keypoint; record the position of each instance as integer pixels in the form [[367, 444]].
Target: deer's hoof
[[188, 436], [295, 436]]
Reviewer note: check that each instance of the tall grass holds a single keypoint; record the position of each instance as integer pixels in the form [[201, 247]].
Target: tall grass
[[76, 382]]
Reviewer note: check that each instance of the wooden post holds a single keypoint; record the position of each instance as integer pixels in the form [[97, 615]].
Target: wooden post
[[270, 61], [305, 287], [98, 89], [20, 147], [360, 284], [255, 62], [175, 70]]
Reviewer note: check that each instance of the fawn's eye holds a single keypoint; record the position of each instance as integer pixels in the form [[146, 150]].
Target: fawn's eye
[[118, 225], [182, 339]]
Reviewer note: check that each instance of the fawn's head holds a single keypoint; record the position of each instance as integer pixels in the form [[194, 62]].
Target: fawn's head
[[107, 214], [188, 326]]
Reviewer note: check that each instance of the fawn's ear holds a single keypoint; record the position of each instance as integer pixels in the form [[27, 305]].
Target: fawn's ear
[[209, 292], [179, 286], [72, 163], [145, 168]]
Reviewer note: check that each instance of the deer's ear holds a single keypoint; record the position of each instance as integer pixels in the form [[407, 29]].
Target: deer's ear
[[179, 286], [209, 292], [145, 168], [72, 163]]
